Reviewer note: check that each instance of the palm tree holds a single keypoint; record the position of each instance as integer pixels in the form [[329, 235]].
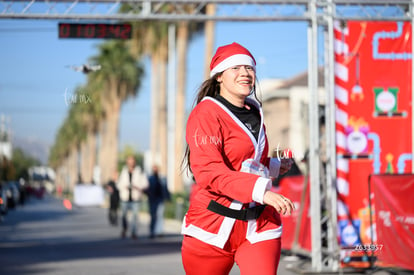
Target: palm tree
[[160, 61], [91, 116], [151, 38], [77, 125], [182, 45], [146, 38], [74, 153], [120, 76], [158, 35], [106, 90], [185, 32], [209, 31], [65, 151], [57, 155]]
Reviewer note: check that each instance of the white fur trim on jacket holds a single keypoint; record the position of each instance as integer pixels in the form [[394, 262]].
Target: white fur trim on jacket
[[261, 186], [218, 239]]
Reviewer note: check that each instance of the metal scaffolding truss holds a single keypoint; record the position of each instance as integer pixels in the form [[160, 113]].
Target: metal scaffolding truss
[[320, 15], [227, 10], [153, 10]]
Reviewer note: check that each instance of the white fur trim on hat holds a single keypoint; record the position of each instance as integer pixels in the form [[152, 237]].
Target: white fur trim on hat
[[234, 60]]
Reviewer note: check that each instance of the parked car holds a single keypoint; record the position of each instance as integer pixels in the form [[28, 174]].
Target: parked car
[[3, 200], [13, 194]]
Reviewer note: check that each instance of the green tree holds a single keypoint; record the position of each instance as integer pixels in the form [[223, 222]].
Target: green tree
[[22, 162], [18, 166], [7, 171], [127, 151]]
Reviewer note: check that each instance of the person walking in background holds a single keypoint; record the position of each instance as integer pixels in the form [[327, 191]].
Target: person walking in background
[[157, 193], [113, 191], [131, 184], [233, 215]]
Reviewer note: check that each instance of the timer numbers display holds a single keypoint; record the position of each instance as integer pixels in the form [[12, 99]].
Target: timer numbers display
[[102, 31]]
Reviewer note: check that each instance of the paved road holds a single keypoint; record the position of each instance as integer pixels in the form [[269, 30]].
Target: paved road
[[44, 238]]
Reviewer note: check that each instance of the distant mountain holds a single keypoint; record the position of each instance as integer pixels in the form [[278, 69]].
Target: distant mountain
[[33, 147]]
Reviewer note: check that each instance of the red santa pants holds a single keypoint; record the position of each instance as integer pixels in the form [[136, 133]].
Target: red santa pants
[[261, 258]]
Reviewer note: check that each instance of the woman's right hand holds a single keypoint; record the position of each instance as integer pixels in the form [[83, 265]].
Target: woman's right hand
[[279, 202], [285, 165]]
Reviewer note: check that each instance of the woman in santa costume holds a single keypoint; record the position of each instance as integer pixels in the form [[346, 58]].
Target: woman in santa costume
[[233, 214]]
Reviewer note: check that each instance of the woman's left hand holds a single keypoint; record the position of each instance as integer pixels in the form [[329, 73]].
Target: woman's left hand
[[279, 202]]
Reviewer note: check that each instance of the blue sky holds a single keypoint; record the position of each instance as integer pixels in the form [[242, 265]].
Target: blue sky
[[34, 76]]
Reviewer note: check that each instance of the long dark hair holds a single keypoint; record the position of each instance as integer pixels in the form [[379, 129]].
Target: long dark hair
[[211, 88]]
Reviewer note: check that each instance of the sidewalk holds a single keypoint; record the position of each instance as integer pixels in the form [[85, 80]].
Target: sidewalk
[[171, 226]]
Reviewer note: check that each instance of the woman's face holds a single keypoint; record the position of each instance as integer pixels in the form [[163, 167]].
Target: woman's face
[[237, 82]]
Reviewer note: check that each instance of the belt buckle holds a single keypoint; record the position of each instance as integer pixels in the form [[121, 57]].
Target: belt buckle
[[251, 213], [254, 212]]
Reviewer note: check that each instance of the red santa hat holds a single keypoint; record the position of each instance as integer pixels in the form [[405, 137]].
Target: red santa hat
[[231, 55]]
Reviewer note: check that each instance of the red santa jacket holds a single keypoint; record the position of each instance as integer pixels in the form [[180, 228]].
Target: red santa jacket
[[220, 144]]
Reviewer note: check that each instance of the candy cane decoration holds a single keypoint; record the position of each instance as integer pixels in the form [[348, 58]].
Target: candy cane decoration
[[341, 49]]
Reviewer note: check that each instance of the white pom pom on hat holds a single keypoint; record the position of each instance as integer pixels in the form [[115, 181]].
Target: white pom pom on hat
[[231, 55]]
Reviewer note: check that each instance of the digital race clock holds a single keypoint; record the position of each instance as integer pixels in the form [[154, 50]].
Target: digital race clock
[[113, 31]]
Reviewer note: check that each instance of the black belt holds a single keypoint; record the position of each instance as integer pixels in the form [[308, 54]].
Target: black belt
[[243, 214]]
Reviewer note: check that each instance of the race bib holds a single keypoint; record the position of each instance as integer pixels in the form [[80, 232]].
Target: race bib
[[254, 167]]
